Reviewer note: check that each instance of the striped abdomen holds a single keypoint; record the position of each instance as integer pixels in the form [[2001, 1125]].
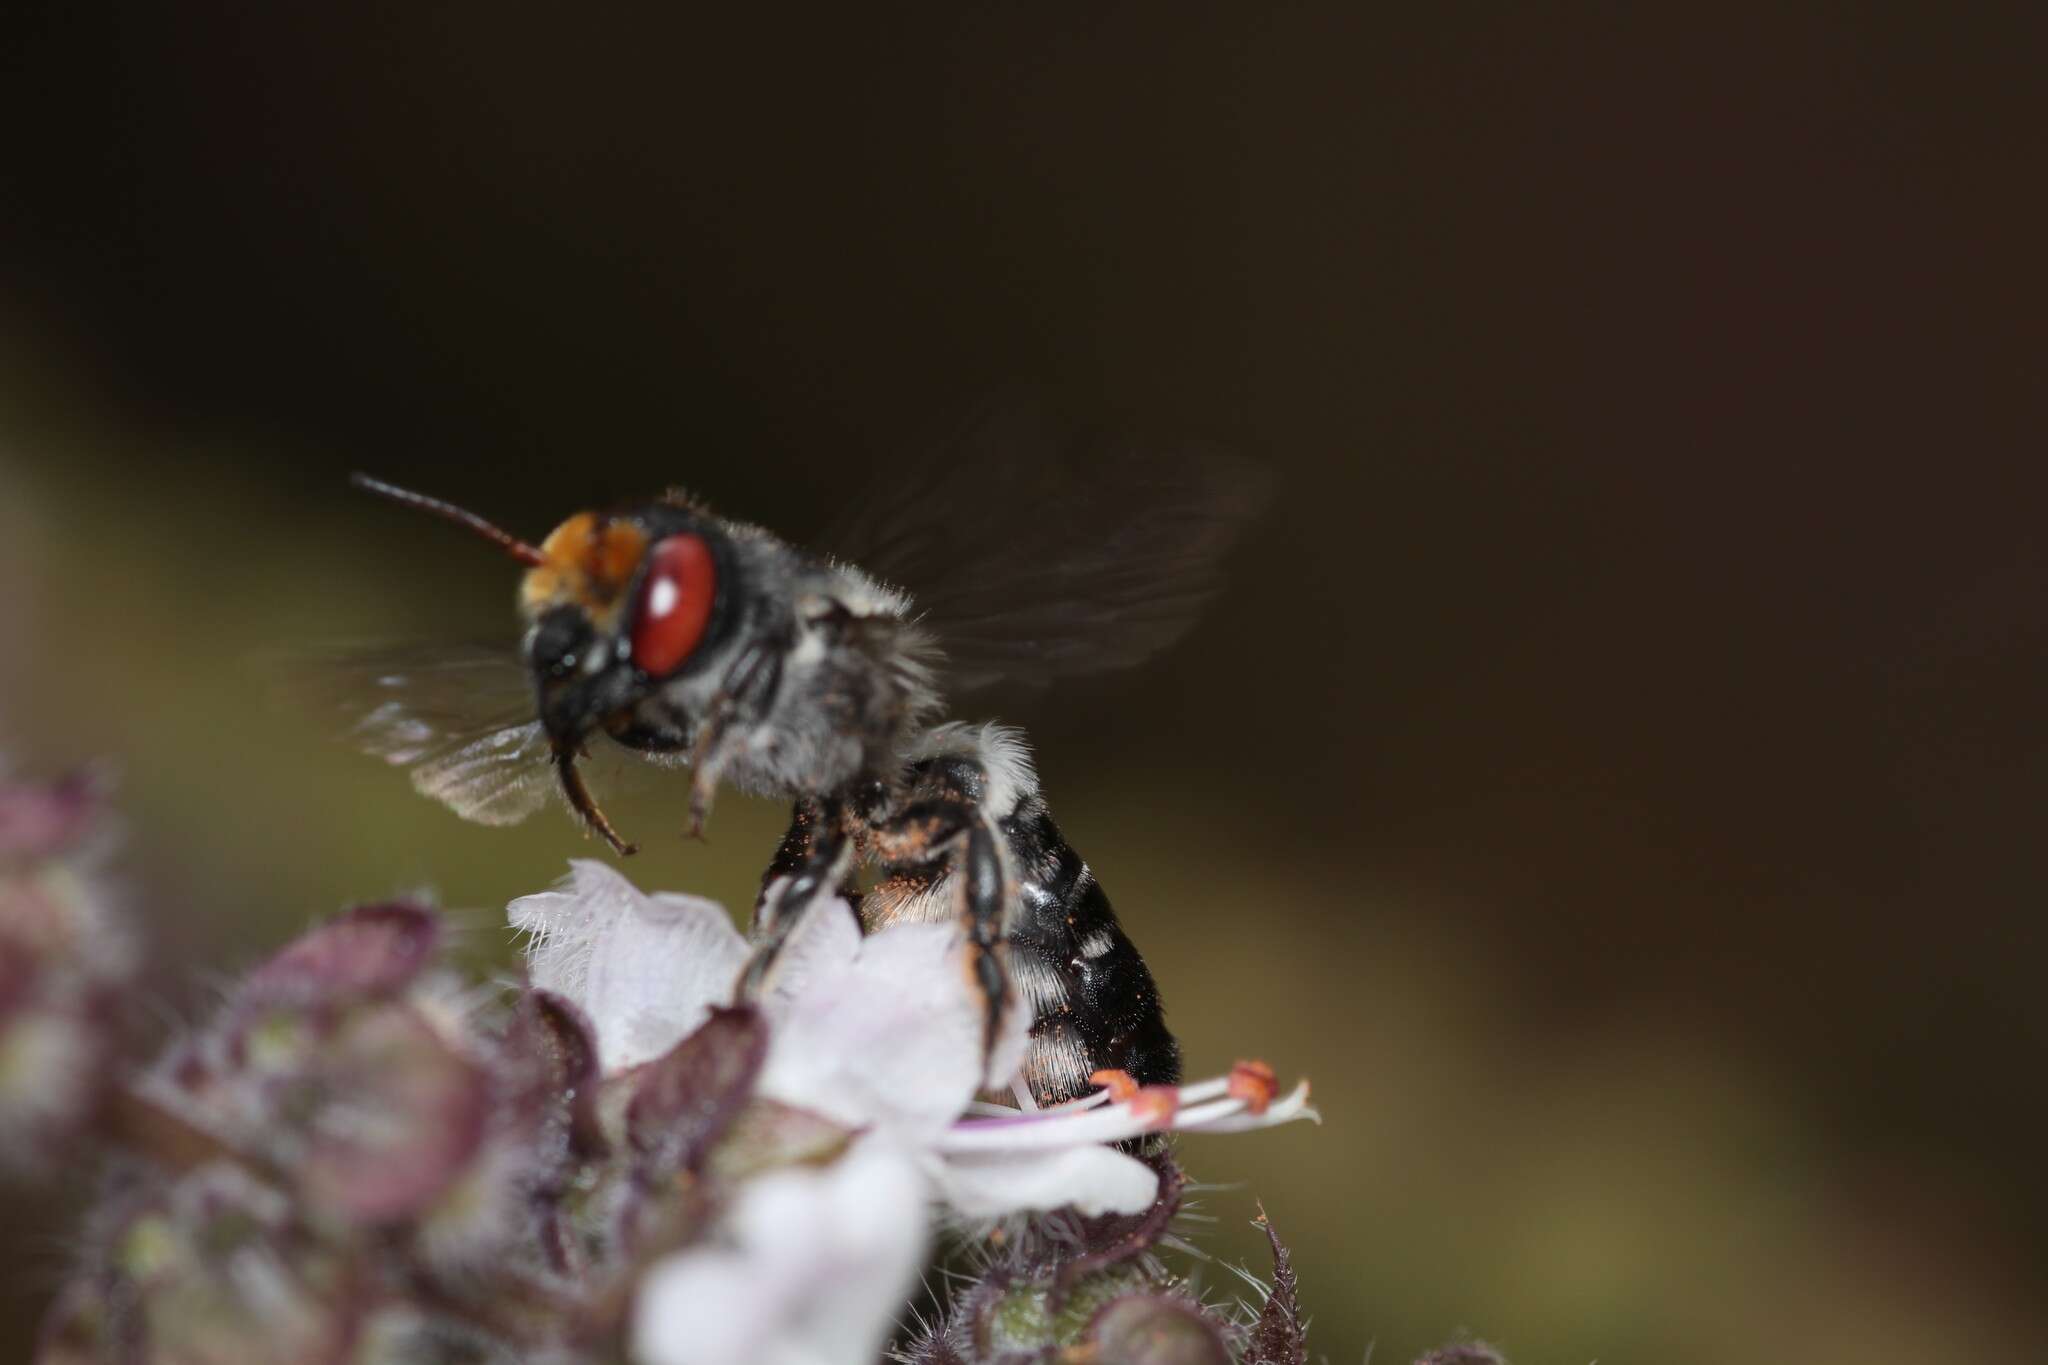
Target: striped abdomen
[[1093, 999], [1094, 1005]]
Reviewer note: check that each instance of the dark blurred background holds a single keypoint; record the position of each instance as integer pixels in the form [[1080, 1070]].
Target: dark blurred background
[[1614, 773]]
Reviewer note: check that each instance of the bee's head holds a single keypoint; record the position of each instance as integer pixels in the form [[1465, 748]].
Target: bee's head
[[618, 606]]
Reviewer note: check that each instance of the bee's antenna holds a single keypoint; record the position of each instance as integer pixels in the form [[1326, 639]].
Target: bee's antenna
[[503, 539]]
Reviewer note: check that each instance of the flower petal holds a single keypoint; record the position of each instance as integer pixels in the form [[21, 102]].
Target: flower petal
[[817, 1266], [889, 1038], [826, 937], [1094, 1180], [646, 969]]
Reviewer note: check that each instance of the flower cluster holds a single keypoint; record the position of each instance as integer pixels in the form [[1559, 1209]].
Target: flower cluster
[[880, 1037], [360, 1158], [65, 960]]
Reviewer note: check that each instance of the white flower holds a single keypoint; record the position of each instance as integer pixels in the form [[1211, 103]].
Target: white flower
[[882, 1033], [814, 1267], [645, 970]]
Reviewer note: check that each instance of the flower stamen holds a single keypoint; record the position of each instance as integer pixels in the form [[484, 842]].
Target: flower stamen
[[1155, 1106], [1121, 1085], [1203, 1107], [1254, 1083]]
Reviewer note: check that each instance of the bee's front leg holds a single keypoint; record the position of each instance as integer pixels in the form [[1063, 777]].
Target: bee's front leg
[[823, 861], [952, 837], [754, 674], [791, 854], [806, 818]]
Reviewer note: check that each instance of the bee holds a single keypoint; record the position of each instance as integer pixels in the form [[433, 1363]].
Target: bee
[[667, 630]]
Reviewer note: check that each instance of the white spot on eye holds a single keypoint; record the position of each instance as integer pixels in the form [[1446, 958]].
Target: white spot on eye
[[661, 596]]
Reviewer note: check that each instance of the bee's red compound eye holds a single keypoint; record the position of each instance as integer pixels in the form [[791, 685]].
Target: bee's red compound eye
[[674, 605]]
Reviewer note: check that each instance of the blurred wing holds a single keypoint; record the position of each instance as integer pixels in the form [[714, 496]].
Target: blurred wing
[[458, 718], [498, 776], [1035, 551]]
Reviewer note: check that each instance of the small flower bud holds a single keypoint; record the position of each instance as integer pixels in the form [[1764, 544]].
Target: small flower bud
[[685, 1099], [64, 960], [391, 1115], [210, 1269], [1154, 1329], [768, 1134], [53, 1065], [683, 1104], [43, 821], [371, 951], [79, 1329], [1010, 1314], [550, 1053], [548, 1136], [1076, 1247]]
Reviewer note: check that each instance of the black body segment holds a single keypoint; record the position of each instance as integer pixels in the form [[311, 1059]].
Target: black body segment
[[1105, 1011]]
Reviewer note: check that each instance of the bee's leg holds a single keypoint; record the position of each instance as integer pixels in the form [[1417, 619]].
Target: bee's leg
[[795, 850], [707, 765], [585, 805], [756, 670], [822, 865], [984, 902], [792, 853], [953, 832]]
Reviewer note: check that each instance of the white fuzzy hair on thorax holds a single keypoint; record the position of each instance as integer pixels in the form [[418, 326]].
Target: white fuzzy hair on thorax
[[865, 595], [999, 749]]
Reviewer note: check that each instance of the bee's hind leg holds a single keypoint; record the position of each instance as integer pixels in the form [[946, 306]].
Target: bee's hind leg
[[953, 833], [984, 900]]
